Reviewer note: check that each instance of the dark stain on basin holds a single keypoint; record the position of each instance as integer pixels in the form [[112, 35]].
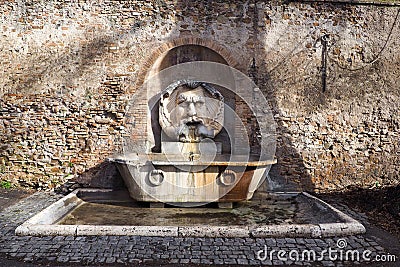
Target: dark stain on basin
[[71, 201]]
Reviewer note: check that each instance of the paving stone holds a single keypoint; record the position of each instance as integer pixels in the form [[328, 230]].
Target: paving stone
[[218, 261], [254, 262], [266, 262], [290, 240], [300, 240], [28, 259], [242, 261], [63, 259], [328, 263], [75, 259], [101, 259], [230, 261]]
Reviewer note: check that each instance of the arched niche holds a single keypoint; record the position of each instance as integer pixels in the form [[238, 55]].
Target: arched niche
[[183, 54]]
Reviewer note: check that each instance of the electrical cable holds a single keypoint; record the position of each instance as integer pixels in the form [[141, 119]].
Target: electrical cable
[[377, 55]]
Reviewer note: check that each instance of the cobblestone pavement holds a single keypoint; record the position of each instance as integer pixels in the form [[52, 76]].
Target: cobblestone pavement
[[134, 250]]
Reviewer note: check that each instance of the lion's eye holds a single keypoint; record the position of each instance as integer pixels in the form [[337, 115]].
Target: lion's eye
[[181, 99]]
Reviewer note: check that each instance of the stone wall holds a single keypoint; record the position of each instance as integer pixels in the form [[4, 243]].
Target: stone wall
[[68, 69]]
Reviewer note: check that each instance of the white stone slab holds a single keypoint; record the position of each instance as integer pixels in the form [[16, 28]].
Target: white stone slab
[[127, 230], [214, 231], [286, 230], [45, 230]]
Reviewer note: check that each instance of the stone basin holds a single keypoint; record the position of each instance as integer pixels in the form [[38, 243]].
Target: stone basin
[[108, 212], [159, 177]]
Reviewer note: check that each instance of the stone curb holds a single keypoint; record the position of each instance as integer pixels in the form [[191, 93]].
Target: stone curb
[[350, 227]]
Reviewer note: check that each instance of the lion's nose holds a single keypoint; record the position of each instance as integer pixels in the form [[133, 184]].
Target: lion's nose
[[191, 110]]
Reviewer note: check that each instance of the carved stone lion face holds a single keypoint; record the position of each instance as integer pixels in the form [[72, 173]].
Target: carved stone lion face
[[190, 106], [190, 114]]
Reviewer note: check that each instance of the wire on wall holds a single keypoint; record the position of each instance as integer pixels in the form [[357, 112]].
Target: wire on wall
[[378, 55]]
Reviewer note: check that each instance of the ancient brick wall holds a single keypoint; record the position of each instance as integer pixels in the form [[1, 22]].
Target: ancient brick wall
[[69, 68]]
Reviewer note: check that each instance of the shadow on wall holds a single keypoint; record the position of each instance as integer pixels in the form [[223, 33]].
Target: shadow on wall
[[103, 175], [70, 66], [289, 174]]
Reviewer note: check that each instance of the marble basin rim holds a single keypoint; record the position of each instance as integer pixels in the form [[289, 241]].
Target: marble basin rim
[[180, 180], [45, 224], [218, 160]]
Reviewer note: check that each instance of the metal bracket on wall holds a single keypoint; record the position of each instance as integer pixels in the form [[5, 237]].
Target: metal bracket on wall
[[324, 41], [253, 71]]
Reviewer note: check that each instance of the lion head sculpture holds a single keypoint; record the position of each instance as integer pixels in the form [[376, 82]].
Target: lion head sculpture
[[191, 111]]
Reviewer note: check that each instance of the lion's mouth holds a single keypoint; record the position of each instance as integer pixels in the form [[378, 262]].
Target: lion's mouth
[[193, 121]]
